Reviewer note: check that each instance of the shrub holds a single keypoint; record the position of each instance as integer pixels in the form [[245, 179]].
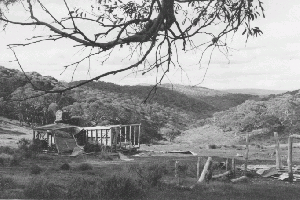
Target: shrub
[[35, 169], [42, 189], [5, 158], [6, 183], [7, 150], [150, 174], [110, 188], [65, 166], [23, 144], [120, 188], [15, 160], [2, 161], [211, 146], [105, 156], [83, 188], [44, 157], [85, 166], [88, 148]]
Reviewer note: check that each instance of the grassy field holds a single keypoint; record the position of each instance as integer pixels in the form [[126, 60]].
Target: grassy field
[[104, 176]]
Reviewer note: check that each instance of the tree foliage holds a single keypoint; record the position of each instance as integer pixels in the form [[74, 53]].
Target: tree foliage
[[279, 113], [155, 32]]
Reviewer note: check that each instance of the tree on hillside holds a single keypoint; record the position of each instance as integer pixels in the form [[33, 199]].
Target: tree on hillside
[[155, 32]]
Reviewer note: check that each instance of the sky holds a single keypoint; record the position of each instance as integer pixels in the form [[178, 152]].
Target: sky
[[270, 61]]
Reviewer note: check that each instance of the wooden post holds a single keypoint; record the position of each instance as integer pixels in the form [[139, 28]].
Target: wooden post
[[226, 164], [139, 135], [176, 172], [92, 136], [120, 135], [33, 135], [125, 135], [134, 128], [48, 138], [247, 152], [97, 136], [198, 167], [116, 137], [206, 173], [130, 135], [290, 160], [277, 150], [101, 132], [233, 167], [106, 137]]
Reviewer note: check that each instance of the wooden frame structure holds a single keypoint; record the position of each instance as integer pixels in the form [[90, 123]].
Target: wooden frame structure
[[115, 137]]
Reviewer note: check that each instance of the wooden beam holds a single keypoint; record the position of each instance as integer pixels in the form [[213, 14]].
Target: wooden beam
[[125, 135], [134, 128], [240, 179], [277, 150], [290, 160], [226, 164], [101, 137], [139, 135], [120, 136], [295, 136], [130, 134], [233, 167], [205, 175], [97, 136], [106, 137], [221, 175]]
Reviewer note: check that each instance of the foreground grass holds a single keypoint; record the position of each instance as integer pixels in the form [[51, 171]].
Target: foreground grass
[[87, 177]]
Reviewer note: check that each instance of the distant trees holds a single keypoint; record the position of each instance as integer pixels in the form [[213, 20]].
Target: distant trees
[[275, 114]]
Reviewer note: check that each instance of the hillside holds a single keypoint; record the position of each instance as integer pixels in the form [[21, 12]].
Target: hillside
[[106, 103], [277, 113], [220, 100], [260, 92]]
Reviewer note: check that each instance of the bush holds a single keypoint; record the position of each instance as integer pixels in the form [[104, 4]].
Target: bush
[[7, 150], [105, 156], [5, 158], [150, 174], [42, 189], [44, 157], [6, 183], [65, 166], [88, 148], [85, 167], [15, 160], [109, 188], [120, 188], [35, 169], [211, 146]]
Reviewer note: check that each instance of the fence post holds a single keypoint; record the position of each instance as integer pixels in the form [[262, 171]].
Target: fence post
[[176, 172], [198, 167], [226, 164], [233, 166], [277, 150], [247, 152], [290, 160]]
